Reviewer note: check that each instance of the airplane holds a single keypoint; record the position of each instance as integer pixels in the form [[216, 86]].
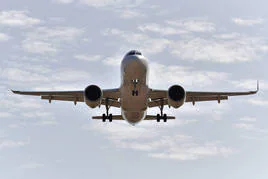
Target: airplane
[[134, 96]]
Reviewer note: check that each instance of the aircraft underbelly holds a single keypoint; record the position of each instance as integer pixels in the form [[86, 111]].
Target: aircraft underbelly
[[134, 106]]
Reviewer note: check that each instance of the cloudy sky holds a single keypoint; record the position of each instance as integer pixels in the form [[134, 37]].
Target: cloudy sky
[[70, 44]]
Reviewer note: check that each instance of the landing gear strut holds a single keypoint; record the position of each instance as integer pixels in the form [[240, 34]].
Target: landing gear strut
[[107, 115], [161, 115]]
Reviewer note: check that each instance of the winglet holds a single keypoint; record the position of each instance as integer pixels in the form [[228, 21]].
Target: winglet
[[15, 92]]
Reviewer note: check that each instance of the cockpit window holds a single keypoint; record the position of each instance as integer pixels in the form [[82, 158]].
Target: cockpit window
[[133, 52]]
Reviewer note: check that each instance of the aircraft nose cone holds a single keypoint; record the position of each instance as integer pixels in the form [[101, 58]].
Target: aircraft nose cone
[[134, 62]]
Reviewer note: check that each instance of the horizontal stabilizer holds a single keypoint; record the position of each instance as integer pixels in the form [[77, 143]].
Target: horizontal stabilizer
[[120, 117], [115, 117], [150, 117]]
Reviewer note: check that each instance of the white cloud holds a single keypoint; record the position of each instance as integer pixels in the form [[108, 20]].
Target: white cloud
[[17, 18], [4, 37], [259, 102], [163, 75], [11, 144], [12, 75], [249, 127], [247, 22], [241, 49], [31, 165], [5, 115], [251, 84], [121, 131], [47, 122], [113, 60], [38, 47], [245, 126], [228, 36], [89, 58], [49, 40], [154, 140], [14, 103], [36, 114], [15, 74], [111, 3], [163, 30], [178, 27], [63, 1], [238, 48], [194, 152], [62, 33], [130, 13], [70, 75], [193, 25], [126, 9], [248, 119], [148, 46]]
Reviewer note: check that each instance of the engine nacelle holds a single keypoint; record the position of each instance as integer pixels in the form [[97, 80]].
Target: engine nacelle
[[93, 96], [176, 96]]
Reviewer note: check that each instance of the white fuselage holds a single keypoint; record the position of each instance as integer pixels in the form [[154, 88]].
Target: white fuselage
[[134, 74]]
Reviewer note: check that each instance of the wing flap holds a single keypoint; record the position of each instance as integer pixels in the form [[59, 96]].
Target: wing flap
[[205, 98], [63, 98]]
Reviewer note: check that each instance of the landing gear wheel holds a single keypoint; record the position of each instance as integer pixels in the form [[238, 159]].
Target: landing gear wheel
[[165, 118], [103, 118], [158, 117], [110, 118]]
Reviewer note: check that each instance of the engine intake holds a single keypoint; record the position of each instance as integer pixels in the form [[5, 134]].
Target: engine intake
[[176, 96], [93, 96]]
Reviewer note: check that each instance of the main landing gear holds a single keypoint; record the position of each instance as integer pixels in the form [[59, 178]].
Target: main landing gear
[[107, 115], [161, 115]]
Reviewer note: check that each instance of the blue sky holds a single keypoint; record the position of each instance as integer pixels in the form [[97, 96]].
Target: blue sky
[[69, 44]]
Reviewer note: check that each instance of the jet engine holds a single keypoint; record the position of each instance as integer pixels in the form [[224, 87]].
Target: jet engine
[[93, 96], [176, 96]]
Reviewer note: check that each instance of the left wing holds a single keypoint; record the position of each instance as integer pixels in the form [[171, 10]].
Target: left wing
[[110, 95], [159, 97]]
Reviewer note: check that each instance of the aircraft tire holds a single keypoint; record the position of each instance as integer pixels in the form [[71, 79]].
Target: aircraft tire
[[110, 118], [158, 117], [165, 117], [103, 118]]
